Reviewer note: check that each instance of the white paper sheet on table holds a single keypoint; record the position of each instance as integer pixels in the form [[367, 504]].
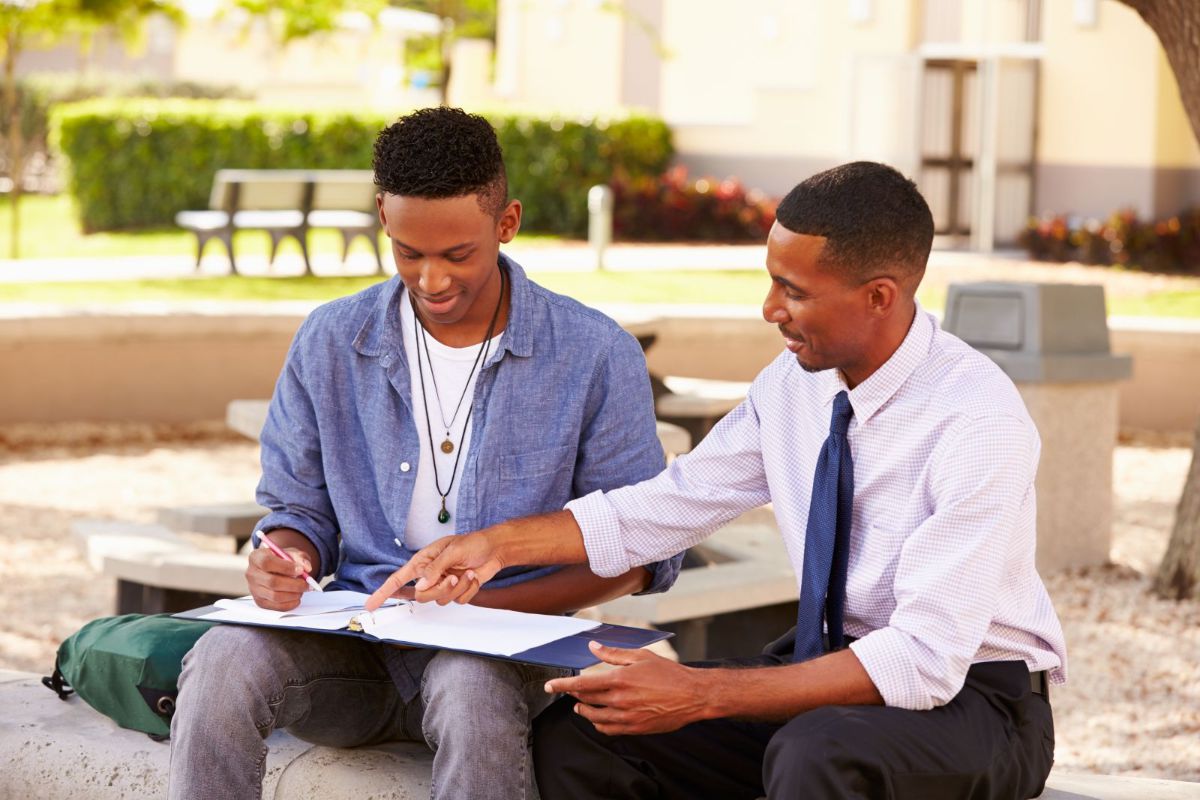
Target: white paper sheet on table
[[458, 627]]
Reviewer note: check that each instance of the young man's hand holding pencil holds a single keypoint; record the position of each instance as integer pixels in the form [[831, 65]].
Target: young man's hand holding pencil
[[280, 569]]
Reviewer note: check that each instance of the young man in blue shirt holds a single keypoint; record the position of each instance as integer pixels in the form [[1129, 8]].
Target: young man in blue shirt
[[453, 397]]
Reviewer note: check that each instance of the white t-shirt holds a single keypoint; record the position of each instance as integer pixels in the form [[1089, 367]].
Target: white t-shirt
[[452, 368]]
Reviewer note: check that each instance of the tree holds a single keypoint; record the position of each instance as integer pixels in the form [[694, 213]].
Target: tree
[[299, 19], [25, 23], [461, 19], [1179, 574], [1177, 25]]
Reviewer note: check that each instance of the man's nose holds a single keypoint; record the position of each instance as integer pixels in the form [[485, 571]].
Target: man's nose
[[433, 279], [773, 310]]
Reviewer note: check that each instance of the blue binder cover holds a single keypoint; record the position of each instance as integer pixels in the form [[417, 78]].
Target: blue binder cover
[[569, 652]]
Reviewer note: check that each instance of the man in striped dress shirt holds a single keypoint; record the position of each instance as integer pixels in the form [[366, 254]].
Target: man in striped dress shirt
[[900, 464]]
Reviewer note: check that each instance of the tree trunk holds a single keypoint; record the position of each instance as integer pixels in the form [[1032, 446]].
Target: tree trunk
[[1179, 574], [15, 167], [1177, 25], [447, 13]]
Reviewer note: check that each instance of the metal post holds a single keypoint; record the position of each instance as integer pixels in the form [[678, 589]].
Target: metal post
[[600, 221]]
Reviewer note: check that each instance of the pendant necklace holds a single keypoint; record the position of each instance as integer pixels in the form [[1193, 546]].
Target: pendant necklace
[[448, 446]]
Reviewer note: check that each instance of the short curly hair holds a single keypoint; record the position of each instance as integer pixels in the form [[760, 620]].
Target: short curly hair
[[442, 152], [874, 220]]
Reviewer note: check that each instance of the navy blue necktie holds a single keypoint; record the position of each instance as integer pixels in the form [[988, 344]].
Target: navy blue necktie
[[827, 540]]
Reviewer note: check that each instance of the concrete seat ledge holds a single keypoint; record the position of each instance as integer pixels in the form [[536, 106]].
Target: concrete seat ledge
[[235, 520], [65, 750], [699, 397], [153, 555], [51, 748]]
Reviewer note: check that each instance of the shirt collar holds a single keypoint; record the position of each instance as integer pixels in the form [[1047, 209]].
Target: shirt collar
[[380, 332], [873, 394]]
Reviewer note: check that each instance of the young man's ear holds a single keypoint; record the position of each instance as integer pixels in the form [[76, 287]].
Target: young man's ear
[[379, 207], [509, 222]]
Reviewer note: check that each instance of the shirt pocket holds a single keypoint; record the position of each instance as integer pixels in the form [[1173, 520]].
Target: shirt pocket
[[523, 466]]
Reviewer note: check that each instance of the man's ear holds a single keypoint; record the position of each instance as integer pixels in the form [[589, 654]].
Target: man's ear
[[882, 296], [509, 222], [379, 206]]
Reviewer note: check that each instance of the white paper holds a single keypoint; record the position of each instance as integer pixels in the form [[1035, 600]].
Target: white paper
[[453, 626], [464, 627], [331, 621], [244, 609]]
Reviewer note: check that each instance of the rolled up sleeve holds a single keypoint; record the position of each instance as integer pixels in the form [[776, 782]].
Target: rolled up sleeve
[[699, 492]]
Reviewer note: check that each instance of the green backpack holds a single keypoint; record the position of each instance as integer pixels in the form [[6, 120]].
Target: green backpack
[[127, 668]]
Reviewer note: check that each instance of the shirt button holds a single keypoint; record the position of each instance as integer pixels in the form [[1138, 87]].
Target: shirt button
[[405, 467]]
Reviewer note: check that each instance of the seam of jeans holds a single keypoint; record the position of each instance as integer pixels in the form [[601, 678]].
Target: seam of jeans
[[430, 738], [260, 765]]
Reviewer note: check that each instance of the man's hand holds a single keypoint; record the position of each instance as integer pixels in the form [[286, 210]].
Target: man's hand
[[645, 694], [451, 569], [274, 582]]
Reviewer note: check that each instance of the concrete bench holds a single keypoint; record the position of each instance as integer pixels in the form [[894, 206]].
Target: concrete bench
[[65, 750], [737, 592], [696, 404], [286, 203], [233, 520], [157, 570]]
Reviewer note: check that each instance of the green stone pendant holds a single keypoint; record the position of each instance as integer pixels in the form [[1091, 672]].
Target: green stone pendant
[[443, 515]]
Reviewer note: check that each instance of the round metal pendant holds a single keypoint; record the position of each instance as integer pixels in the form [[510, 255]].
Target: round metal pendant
[[447, 447]]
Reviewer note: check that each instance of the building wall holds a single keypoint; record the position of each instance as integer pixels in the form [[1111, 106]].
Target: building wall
[[341, 68], [353, 66], [773, 90], [560, 56], [785, 110], [758, 90], [1113, 132]]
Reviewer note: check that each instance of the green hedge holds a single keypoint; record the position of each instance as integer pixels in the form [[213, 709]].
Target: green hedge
[[135, 163]]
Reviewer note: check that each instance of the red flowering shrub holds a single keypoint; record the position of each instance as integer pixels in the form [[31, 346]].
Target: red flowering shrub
[[1170, 245], [673, 208]]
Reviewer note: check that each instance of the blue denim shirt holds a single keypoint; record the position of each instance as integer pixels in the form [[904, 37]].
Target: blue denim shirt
[[561, 409]]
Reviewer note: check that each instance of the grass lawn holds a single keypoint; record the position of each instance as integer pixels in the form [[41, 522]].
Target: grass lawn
[[50, 229]]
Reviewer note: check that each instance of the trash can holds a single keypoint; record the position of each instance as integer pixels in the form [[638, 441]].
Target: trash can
[[1052, 341]]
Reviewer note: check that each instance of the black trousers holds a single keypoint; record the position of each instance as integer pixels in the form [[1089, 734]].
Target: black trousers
[[994, 741]]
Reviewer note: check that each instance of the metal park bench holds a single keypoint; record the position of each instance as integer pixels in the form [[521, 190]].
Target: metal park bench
[[286, 203]]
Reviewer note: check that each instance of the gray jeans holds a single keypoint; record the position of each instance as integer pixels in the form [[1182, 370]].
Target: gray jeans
[[239, 684]]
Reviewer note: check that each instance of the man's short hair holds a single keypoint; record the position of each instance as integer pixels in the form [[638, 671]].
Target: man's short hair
[[436, 153], [874, 220]]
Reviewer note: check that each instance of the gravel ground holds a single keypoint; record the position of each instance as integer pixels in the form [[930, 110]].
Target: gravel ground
[[1132, 705]]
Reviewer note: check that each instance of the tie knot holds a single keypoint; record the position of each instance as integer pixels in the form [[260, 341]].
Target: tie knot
[[842, 412]]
